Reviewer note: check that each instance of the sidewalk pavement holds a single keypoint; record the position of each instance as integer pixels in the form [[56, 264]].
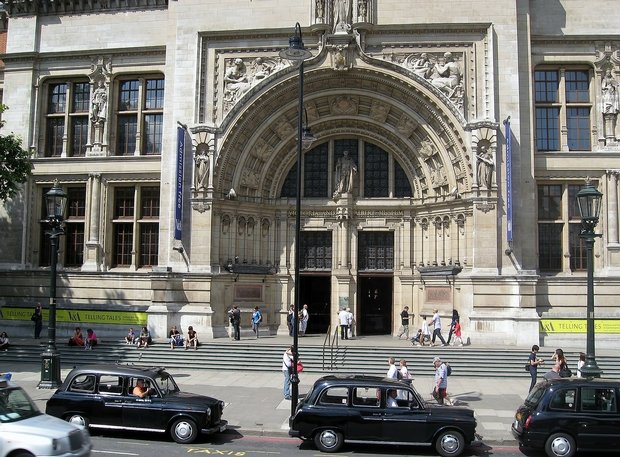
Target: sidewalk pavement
[[255, 403]]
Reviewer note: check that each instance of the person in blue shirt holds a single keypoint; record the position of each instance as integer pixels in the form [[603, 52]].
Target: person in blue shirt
[[257, 318]]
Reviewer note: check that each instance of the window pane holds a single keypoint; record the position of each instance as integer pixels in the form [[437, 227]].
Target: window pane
[[315, 172], [154, 94], [57, 98], [150, 202], [289, 188], [577, 248], [547, 129], [550, 247], [81, 97], [375, 171], [578, 120], [128, 95], [316, 250], [55, 132], [123, 202], [149, 241], [153, 124], [127, 130], [573, 208], [123, 242], [79, 136], [549, 202], [577, 86], [76, 202], [376, 251], [546, 85], [402, 186], [74, 239]]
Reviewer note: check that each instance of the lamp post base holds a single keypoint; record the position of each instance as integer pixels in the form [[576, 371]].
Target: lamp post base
[[590, 369], [50, 370]]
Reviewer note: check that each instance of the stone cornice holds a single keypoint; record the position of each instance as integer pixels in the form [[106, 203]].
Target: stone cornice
[[62, 7], [68, 55]]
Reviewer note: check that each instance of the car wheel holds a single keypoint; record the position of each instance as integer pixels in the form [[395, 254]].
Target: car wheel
[[184, 431], [450, 443], [328, 440], [560, 445], [77, 419]]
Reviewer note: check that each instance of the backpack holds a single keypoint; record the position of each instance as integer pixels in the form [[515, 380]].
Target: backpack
[[448, 369]]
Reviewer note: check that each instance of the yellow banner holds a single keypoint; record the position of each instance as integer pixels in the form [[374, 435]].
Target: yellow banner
[[609, 326], [79, 316]]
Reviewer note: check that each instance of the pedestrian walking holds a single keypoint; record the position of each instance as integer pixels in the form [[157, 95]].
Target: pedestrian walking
[[534, 361], [392, 372], [404, 321], [37, 318], [441, 380], [303, 320], [287, 370], [343, 319], [290, 319], [455, 320], [351, 320], [436, 321], [426, 332], [403, 372], [257, 318], [235, 320], [580, 363]]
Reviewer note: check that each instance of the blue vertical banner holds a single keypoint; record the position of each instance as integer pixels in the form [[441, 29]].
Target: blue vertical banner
[[508, 180], [178, 200]]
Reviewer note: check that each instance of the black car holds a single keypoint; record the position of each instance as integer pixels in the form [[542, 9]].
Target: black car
[[104, 396], [565, 415], [369, 409]]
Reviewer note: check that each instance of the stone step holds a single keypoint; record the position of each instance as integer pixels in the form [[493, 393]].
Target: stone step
[[255, 356]]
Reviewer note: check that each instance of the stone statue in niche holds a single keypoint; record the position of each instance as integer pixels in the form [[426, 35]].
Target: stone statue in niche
[[362, 10], [447, 76], [609, 92], [485, 165], [320, 10], [346, 169], [201, 172], [99, 103], [342, 16]]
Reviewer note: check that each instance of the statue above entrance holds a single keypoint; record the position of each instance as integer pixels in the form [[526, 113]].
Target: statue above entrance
[[346, 169]]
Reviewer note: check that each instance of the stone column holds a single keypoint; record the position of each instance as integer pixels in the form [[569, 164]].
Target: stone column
[[485, 237], [92, 256], [612, 207]]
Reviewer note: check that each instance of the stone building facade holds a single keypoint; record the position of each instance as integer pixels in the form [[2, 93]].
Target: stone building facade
[[408, 195]]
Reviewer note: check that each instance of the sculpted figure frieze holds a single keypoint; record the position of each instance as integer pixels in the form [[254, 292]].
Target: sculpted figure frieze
[[344, 105]]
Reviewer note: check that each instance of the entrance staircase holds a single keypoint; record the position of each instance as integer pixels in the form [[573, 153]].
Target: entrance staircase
[[366, 356]]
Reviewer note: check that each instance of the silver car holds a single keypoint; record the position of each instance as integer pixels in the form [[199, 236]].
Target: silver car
[[27, 432]]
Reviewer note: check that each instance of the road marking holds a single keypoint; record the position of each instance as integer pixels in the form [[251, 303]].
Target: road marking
[[113, 452]]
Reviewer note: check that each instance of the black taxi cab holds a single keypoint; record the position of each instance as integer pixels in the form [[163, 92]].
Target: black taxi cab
[[368, 409], [104, 396], [563, 416]]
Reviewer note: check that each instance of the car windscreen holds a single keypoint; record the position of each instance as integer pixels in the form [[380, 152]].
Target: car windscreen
[[166, 383], [535, 395], [15, 405]]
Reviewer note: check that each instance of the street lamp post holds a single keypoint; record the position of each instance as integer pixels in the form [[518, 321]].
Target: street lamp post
[[298, 53], [589, 203], [56, 201]]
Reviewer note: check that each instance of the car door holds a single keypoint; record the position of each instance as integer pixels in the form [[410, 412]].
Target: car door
[[143, 413], [108, 401], [404, 420], [598, 418], [366, 419]]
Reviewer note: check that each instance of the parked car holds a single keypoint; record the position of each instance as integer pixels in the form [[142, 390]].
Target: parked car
[[27, 432], [369, 409], [565, 415], [105, 396]]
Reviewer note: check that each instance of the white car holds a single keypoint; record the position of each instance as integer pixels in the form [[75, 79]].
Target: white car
[[27, 432]]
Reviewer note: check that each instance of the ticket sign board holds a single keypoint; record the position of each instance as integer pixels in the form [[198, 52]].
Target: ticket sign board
[[79, 316], [606, 326]]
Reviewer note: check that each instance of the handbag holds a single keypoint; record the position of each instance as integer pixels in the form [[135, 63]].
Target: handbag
[[527, 367], [300, 367], [565, 372]]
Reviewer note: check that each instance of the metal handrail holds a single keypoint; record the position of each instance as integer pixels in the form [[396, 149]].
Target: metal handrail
[[325, 340]]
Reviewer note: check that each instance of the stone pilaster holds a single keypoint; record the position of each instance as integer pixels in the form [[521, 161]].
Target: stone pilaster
[[92, 255]]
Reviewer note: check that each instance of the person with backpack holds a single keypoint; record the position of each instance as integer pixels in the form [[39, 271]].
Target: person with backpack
[[257, 318], [441, 380]]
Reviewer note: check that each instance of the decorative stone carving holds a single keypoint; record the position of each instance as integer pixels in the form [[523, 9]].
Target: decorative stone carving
[[379, 111], [406, 125], [283, 128], [344, 104], [250, 179], [485, 207], [236, 82], [340, 59], [262, 150], [427, 148]]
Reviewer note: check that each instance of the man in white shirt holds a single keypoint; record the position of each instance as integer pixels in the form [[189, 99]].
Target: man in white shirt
[[287, 366], [343, 318], [437, 331], [392, 370]]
